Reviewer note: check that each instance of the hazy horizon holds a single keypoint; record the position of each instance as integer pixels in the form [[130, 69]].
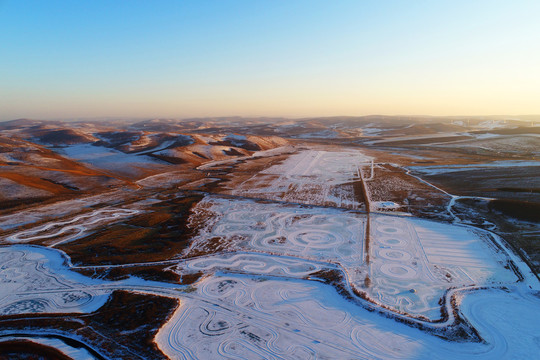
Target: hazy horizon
[[522, 117], [299, 59]]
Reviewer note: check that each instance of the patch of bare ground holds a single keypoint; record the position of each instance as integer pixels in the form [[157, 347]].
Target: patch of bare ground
[[237, 173], [28, 350], [358, 190], [28, 186], [66, 208], [514, 183], [391, 183], [160, 233], [12, 206], [159, 273], [214, 245], [198, 220], [63, 136], [428, 155], [169, 159], [519, 210], [332, 277], [422, 141], [123, 328], [36, 167]]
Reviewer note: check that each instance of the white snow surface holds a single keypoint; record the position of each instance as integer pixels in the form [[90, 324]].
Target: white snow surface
[[406, 253], [239, 317], [35, 280], [314, 177], [269, 317], [103, 157]]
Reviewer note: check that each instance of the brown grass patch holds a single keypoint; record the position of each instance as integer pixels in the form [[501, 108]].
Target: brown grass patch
[[25, 349], [123, 328], [159, 234], [35, 182], [151, 272]]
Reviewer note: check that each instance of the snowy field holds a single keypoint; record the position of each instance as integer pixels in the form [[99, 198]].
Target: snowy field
[[108, 158], [239, 317], [35, 280], [249, 318], [410, 262], [270, 317], [321, 234], [414, 262], [314, 177]]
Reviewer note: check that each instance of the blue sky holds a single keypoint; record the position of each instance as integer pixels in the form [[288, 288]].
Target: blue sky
[[65, 59]]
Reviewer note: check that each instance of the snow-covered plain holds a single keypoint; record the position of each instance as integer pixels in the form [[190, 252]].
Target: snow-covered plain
[[403, 253], [235, 317], [242, 317], [35, 280], [271, 316], [107, 158], [314, 177]]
